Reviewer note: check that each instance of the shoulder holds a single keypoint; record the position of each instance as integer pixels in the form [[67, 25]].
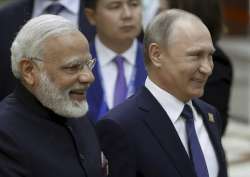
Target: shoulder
[[203, 104], [126, 113], [9, 8], [205, 107], [208, 110]]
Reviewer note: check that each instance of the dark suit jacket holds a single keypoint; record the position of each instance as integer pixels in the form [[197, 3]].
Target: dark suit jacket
[[139, 139], [96, 93], [12, 18], [218, 87], [35, 142]]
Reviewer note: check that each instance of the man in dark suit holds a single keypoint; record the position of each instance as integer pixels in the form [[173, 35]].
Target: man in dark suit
[[14, 15], [164, 130], [118, 23], [43, 127]]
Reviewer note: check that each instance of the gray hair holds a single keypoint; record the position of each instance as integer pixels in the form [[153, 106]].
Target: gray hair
[[160, 29], [29, 42]]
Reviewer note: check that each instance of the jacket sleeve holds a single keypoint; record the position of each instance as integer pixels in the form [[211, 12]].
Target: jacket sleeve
[[11, 158]]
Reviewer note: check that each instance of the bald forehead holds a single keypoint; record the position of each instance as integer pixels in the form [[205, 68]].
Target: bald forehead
[[187, 25]]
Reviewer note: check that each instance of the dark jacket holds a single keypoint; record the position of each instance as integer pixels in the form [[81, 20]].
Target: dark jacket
[[35, 142], [139, 139]]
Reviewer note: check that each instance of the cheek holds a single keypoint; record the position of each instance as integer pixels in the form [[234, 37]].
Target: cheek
[[63, 82]]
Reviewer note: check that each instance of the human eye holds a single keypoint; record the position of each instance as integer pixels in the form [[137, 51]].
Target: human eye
[[114, 5], [194, 56], [134, 3], [72, 68]]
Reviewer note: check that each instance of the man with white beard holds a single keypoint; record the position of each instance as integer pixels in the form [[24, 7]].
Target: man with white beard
[[43, 128]]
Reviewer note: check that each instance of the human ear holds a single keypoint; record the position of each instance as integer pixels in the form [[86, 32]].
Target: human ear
[[27, 70], [154, 54], [90, 14]]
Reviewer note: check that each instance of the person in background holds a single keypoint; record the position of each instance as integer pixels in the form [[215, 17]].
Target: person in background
[[16, 13], [165, 130], [218, 87], [44, 130], [120, 70]]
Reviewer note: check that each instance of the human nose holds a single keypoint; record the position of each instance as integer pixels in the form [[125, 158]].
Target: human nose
[[207, 66], [126, 11], [86, 76]]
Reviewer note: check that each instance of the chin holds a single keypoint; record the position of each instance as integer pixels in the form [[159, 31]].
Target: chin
[[196, 92]]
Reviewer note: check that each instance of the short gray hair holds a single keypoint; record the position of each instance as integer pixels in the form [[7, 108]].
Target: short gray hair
[[30, 39], [160, 29]]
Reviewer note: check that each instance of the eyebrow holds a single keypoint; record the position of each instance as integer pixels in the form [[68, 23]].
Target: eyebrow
[[198, 49], [77, 59]]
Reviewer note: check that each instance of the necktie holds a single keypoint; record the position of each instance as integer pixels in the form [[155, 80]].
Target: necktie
[[54, 8], [195, 150], [120, 85]]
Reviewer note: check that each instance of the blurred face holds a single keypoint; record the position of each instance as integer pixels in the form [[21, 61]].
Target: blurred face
[[187, 63], [163, 5], [117, 20], [64, 76]]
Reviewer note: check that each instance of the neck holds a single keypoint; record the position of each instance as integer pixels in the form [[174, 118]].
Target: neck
[[117, 46]]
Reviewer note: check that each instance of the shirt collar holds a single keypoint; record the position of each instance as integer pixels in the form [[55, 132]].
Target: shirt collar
[[72, 6], [108, 55], [170, 104]]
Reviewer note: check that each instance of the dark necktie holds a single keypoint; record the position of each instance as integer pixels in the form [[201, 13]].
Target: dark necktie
[[54, 8], [120, 85], [195, 150]]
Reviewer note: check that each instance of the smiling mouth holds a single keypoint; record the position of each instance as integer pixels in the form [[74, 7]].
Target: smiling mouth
[[78, 95], [127, 28]]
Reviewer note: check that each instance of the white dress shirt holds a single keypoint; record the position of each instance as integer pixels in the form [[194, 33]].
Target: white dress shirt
[[173, 108], [70, 12], [108, 68]]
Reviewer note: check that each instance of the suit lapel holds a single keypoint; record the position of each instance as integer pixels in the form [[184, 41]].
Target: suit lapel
[[141, 73], [211, 124], [164, 131], [95, 95]]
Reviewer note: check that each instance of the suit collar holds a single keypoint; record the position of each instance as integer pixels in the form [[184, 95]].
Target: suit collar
[[108, 55], [41, 5], [31, 103], [210, 120]]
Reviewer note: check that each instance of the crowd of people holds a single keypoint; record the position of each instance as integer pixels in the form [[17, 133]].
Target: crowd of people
[[85, 90]]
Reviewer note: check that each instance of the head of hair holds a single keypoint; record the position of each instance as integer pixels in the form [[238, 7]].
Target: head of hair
[[30, 40], [90, 4], [159, 30], [209, 11]]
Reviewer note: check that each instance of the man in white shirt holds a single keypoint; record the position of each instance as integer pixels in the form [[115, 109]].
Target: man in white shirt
[[14, 15], [164, 130], [118, 23]]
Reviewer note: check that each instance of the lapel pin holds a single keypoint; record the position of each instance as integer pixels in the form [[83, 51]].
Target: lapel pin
[[211, 117]]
